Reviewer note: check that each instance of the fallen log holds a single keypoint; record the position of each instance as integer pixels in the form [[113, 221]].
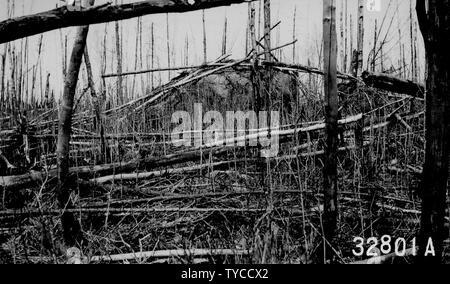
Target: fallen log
[[184, 170], [303, 68], [7, 132], [161, 90], [164, 254], [124, 74], [215, 149], [63, 17], [13, 182], [36, 177], [392, 84], [131, 211], [172, 254], [280, 133], [409, 170], [147, 175], [125, 136]]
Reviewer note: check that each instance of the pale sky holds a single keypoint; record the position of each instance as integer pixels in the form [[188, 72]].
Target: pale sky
[[189, 25]]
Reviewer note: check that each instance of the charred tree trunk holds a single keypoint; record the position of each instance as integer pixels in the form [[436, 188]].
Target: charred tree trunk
[[205, 49], [2, 80], [265, 90], [255, 74], [267, 28], [360, 47], [168, 44], [434, 24], [47, 93], [153, 54], [330, 179], [119, 86], [267, 55], [70, 225], [224, 38]]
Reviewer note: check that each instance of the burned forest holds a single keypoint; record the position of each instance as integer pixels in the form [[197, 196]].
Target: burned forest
[[231, 132]]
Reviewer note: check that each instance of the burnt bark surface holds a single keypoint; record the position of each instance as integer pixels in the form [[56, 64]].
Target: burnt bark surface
[[393, 84], [435, 26], [330, 177], [71, 227]]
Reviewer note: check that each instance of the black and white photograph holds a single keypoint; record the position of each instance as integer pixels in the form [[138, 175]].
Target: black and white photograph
[[236, 134]]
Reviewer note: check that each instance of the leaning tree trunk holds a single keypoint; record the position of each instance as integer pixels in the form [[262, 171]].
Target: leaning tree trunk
[[434, 24], [70, 225], [20, 27], [97, 106], [330, 182]]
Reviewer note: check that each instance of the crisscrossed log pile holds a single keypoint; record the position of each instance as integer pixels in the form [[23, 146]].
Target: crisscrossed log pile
[[209, 181]]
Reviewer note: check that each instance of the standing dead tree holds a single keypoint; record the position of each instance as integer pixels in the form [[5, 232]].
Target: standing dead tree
[[168, 43], [434, 24], [359, 55], [205, 48], [2, 79], [267, 28], [330, 179], [224, 37], [119, 85], [267, 77], [71, 227], [255, 75], [267, 55]]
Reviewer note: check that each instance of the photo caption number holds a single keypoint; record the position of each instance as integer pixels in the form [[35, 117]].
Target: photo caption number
[[400, 247], [359, 242], [373, 243], [384, 246]]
